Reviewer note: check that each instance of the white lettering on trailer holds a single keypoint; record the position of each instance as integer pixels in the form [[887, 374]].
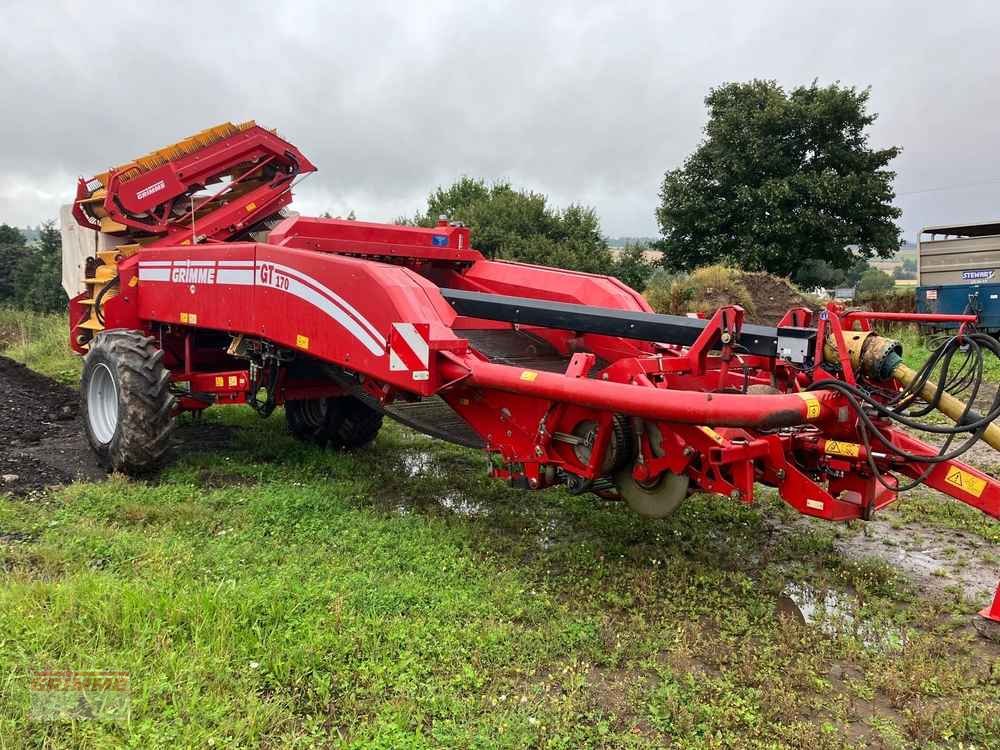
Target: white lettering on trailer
[[148, 191], [274, 276], [309, 290], [193, 275]]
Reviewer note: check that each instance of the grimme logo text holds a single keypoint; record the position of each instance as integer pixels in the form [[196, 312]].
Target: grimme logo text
[[193, 275], [148, 191]]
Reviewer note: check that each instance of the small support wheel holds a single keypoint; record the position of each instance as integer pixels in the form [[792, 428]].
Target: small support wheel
[[657, 498], [337, 422], [126, 402]]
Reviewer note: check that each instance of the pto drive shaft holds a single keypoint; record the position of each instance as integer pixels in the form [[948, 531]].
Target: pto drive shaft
[[879, 358]]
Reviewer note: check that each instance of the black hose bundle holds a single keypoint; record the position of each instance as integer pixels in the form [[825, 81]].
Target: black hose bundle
[[968, 377]]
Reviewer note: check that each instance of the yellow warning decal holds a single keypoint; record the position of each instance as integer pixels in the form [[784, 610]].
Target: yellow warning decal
[[812, 404], [184, 317], [219, 382], [712, 434], [965, 481], [529, 375], [301, 341], [840, 448], [251, 207], [134, 281]]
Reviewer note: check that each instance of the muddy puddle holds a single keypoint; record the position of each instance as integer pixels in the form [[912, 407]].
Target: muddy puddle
[[836, 613], [419, 464], [936, 558]]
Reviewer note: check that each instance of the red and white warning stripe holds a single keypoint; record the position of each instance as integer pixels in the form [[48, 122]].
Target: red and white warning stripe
[[409, 349]]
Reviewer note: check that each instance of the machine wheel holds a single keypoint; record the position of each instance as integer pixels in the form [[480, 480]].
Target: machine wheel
[[337, 422], [655, 499], [126, 402]]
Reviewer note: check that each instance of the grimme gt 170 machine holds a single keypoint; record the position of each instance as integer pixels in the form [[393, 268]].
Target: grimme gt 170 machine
[[214, 296]]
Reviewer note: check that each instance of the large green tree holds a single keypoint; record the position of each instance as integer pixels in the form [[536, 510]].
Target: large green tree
[[779, 179], [513, 224]]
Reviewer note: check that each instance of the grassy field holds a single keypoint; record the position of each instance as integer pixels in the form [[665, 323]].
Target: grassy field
[[263, 593], [916, 350]]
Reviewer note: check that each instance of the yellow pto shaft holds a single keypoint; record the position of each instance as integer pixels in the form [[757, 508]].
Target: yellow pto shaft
[[948, 405], [879, 357]]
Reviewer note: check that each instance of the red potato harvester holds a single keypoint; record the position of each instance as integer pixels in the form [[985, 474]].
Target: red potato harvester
[[215, 296]]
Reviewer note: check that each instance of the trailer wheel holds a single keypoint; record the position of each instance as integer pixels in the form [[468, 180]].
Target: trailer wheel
[[126, 402], [337, 422], [306, 419]]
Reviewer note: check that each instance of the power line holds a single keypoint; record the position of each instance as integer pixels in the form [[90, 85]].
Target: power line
[[949, 187]]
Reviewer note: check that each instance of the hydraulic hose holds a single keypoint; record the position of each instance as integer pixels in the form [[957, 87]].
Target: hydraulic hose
[[880, 358], [955, 409]]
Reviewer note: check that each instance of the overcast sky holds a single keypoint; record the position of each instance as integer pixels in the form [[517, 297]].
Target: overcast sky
[[588, 103]]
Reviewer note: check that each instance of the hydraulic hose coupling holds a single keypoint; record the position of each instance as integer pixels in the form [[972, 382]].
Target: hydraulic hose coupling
[[874, 355], [881, 359]]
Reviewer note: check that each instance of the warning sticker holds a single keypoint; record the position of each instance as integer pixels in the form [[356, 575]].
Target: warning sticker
[[302, 342], [812, 404], [529, 375], [965, 481], [840, 448]]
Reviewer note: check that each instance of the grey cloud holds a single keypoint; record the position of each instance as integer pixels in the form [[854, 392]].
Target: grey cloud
[[586, 102]]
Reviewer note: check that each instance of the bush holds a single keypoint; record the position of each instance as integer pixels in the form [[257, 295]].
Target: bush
[[898, 299], [703, 290], [874, 282]]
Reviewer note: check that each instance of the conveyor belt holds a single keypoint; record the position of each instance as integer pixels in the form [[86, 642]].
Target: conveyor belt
[[432, 416], [517, 348]]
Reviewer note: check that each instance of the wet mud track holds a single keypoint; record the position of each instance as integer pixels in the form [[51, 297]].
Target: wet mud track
[[43, 440], [44, 443]]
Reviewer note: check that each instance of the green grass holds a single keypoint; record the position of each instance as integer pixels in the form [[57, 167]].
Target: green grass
[[272, 594], [916, 351], [41, 341]]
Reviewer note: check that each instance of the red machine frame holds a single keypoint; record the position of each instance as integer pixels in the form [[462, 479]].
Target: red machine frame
[[363, 304]]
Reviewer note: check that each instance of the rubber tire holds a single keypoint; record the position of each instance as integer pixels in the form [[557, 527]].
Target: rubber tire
[[340, 422], [145, 420]]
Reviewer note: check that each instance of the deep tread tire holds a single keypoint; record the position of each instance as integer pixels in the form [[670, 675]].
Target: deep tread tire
[[137, 440], [343, 422]]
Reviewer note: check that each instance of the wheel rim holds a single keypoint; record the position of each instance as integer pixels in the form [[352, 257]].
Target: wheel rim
[[102, 404]]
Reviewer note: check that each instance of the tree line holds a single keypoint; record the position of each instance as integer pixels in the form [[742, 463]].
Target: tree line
[[31, 272], [783, 181]]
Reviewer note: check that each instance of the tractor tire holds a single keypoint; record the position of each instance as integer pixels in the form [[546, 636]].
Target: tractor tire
[[340, 422], [126, 402]]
